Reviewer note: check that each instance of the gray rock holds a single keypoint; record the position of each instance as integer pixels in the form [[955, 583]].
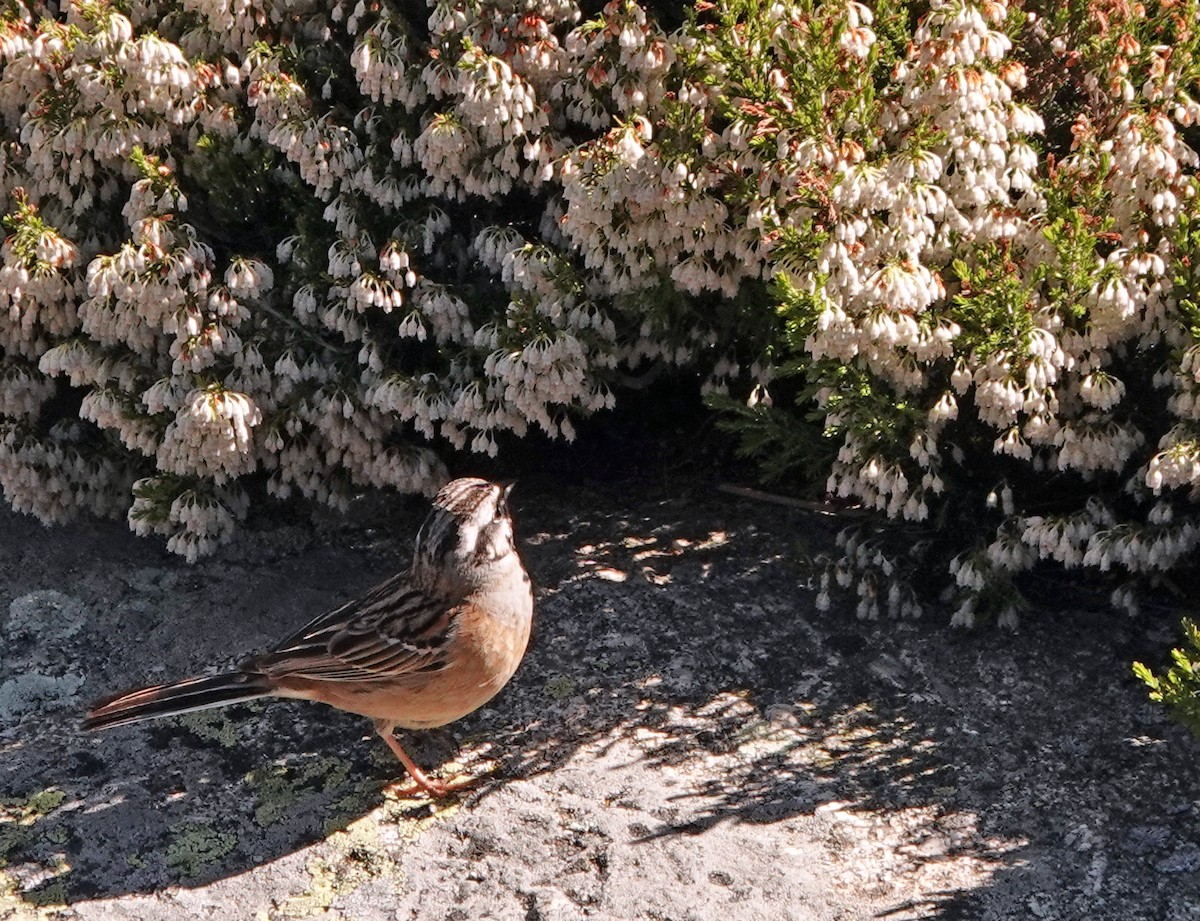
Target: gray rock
[[702, 744]]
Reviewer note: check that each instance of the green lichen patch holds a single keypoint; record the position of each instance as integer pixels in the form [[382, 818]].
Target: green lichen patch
[[215, 726], [21, 900], [12, 906], [19, 814], [47, 894], [280, 786], [413, 816], [357, 856], [198, 846], [323, 885], [28, 810], [52, 890], [13, 840], [560, 687], [359, 800]]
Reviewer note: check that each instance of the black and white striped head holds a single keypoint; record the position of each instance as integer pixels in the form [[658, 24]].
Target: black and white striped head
[[468, 530]]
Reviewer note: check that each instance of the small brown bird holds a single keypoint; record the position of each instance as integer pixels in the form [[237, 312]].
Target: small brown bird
[[421, 650]]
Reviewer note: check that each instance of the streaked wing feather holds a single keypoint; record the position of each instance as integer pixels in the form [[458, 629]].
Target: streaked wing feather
[[392, 631]]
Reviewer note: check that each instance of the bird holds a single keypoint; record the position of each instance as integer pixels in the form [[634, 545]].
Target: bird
[[418, 651]]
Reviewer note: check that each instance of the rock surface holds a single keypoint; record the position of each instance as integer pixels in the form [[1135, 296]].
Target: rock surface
[[687, 739]]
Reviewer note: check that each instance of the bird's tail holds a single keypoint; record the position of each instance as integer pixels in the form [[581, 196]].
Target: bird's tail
[[181, 697]]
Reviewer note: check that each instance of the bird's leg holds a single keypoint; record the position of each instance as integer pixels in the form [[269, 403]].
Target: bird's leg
[[435, 788]]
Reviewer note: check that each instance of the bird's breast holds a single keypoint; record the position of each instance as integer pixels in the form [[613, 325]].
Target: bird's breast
[[491, 632]]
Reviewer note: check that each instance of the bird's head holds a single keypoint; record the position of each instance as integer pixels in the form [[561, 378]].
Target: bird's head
[[467, 534]]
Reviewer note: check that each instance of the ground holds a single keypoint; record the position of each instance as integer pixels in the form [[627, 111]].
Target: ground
[[687, 739]]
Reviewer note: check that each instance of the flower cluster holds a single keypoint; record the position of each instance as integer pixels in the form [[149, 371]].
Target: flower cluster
[[874, 575], [967, 308], [316, 240]]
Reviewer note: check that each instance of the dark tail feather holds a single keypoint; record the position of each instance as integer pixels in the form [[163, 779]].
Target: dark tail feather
[[181, 697]]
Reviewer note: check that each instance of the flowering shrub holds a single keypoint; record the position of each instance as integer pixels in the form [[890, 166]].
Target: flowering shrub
[[318, 244], [993, 314]]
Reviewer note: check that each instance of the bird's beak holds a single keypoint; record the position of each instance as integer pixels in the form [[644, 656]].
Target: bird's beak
[[502, 501]]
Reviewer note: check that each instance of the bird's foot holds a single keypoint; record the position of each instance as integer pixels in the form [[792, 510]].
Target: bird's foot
[[413, 786], [417, 781]]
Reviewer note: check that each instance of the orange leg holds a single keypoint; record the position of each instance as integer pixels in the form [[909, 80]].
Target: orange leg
[[435, 788]]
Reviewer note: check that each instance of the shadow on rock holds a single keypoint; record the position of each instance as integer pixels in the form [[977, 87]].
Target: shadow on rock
[[678, 675]]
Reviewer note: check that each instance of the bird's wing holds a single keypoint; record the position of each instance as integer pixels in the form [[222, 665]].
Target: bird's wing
[[394, 631]]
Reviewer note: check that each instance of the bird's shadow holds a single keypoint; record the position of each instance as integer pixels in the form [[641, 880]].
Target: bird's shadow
[[681, 626]]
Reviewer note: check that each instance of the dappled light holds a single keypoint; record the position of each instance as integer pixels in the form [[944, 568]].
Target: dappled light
[[682, 706]]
